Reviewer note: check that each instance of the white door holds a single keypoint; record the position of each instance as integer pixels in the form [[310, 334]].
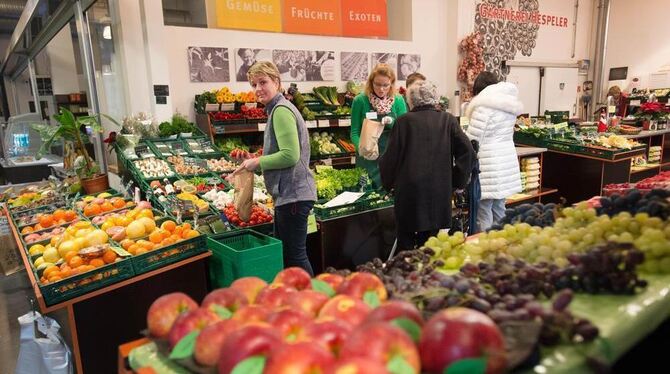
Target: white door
[[559, 90], [527, 80]]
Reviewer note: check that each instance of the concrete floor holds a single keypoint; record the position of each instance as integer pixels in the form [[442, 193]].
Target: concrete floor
[[15, 292]]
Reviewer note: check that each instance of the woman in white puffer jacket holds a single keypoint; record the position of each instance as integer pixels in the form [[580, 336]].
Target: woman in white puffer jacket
[[492, 113]]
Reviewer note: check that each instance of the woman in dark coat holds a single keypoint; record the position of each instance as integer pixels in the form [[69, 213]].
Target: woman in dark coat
[[427, 155]]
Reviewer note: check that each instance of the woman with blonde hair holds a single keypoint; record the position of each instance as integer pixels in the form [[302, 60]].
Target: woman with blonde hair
[[379, 102], [285, 164]]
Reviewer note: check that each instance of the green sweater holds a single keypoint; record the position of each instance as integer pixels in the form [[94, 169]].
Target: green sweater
[[286, 132], [361, 106]]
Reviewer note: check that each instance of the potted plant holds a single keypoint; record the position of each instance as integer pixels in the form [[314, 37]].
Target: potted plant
[[651, 113], [88, 171]]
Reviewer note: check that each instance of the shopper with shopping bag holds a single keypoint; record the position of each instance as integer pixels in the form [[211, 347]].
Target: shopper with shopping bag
[[373, 115], [427, 157], [285, 164]]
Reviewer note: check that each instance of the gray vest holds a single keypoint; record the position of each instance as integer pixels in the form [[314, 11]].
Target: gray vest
[[295, 183]]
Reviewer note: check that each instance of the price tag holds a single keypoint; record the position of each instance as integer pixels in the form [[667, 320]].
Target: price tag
[[465, 121], [120, 251], [635, 102], [204, 142], [311, 224], [353, 160], [311, 124], [177, 146], [211, 107], [562, 125], [261, 126], [344, 122], [140, 149], [324, 123], [201, 163], [219, 129], [611, 109], [328, 161]]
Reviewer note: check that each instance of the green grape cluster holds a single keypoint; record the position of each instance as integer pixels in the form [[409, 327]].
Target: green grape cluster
[[577, 231]]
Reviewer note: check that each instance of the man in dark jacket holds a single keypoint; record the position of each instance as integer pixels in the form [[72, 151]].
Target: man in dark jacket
[[427, 155]]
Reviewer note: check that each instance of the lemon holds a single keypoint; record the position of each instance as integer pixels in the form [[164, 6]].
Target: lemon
[[51, 255], [88, 198], [39, 261], [36, 249], [104, 195]]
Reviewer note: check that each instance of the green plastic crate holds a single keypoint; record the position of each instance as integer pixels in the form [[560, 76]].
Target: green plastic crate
[[81, 284], [170, 254], [244, 253]]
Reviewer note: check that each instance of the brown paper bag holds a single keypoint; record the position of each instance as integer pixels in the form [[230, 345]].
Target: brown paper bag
[[243, 182], [368, 146]]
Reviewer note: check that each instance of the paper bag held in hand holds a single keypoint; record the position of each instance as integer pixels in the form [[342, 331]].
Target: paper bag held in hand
[[368, 146], [243, 182]]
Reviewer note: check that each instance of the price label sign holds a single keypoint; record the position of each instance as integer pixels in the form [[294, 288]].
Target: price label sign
[[201, 163], [323, 123], [141, 149], [328, 161], [312, 124], [344, 122], [261, 126], [562, 125]]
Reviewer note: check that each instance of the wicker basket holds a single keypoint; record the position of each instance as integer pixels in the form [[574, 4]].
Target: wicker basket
[[630, 130]]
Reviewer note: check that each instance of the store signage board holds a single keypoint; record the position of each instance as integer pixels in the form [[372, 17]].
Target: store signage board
[[364, 18], [312, 17], [264, 15], [161, 90]]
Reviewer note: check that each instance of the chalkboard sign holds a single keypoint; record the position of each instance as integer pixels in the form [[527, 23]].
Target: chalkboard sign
[[161, 90]]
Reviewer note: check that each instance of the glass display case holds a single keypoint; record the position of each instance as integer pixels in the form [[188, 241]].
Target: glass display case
[[20, 142]]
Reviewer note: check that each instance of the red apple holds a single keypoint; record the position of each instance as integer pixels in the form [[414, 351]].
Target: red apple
[[208, 343], [196, 319], [356, 365], [289, 322], [330, 334], [274, 295], [252, 313], [309, 301], [381, 342], [334, 280], [294, 277], [245, 342], [301, 357], [393, 309], [165, 310], [345, 308], [249, 286], [228, 298], [468, 334], [357, 284]]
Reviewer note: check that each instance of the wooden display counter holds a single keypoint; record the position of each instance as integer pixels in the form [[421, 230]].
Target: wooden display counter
[[99, 321]]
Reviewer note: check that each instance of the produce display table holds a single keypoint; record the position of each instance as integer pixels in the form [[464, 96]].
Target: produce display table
[[624, 321], [100, 320], [657, 138]]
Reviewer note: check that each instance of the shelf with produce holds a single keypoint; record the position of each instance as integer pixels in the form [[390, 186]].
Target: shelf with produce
[[642, 168]]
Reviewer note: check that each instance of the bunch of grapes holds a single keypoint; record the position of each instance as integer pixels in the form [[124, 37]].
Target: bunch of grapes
[[609, 268], [654, 203], [538, 214], [558, 324]]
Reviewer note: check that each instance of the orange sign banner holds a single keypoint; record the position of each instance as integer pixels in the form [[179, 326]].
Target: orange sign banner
[[364, 18], [263, 15], [318, 17]]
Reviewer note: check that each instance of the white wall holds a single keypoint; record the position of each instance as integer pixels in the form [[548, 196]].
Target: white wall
[[63, 71], [638, 38], [429, 39]]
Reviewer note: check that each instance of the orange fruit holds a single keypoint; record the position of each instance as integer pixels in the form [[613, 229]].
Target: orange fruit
[[75, 261], [186, 226], [27, 230], [85, 268], [141, 251], [96, 262], [37, 227], [58, 214], [118, 203], [69, 255], [92, 210], [133, 249], [46, 221], [175, 238], [192, 234], [156, 237], [167, 241], [55, 278], [106, 206], [47, 272], [145, 244], [168, 225], [178, 230], [126, 243], [109, 256], [70, 215]]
